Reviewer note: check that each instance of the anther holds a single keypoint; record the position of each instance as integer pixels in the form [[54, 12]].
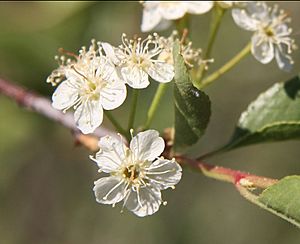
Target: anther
[[131, 132]]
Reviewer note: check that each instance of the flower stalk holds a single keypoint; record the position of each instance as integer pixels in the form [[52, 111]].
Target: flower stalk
[[217, 16], [116, 124], [155, 102], [226, 67], [135, 95]]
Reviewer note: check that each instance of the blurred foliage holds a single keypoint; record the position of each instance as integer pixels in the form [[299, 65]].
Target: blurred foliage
[[46, 182]]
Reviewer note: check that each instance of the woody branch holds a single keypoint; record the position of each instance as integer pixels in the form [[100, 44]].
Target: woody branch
[[42, 105]]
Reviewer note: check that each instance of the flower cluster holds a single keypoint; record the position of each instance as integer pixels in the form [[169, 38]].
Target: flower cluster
[[95, 79], [137, 173], [271, 36]]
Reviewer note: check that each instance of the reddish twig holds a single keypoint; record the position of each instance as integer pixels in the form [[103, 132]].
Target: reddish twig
[[229, 175]]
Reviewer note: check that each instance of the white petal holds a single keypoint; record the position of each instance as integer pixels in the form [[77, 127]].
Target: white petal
[[145, 201], [199, 7], [111, 154], [161, 72], [72, 75], [166, 56], [110, 52], [151, 16], [284, 61], [262, 50], [163, 25], [109, 190], [105, 69], [164, 173], [147, 145], [113, 95], [173, 10], [135, 77], [282, 30], [89, 66], [89, 116], [258, 10], [243, 20], [65, 95], [120, 54]]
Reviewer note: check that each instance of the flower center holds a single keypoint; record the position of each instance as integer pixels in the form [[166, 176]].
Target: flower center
[[131, 173], [140, 61], [92, 85], [269, 31], [91, 90], [138, 52]]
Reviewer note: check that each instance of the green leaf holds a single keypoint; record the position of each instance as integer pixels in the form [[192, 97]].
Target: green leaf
[[283, 199], [273, 116], [192, 106]]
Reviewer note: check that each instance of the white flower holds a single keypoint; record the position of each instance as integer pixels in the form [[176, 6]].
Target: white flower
[[190, 55], [137, 175], [91, 84], [271, 33], [159, 14], [136, 60]]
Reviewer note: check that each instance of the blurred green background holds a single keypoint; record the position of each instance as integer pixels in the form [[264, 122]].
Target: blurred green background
[[46, 182]]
